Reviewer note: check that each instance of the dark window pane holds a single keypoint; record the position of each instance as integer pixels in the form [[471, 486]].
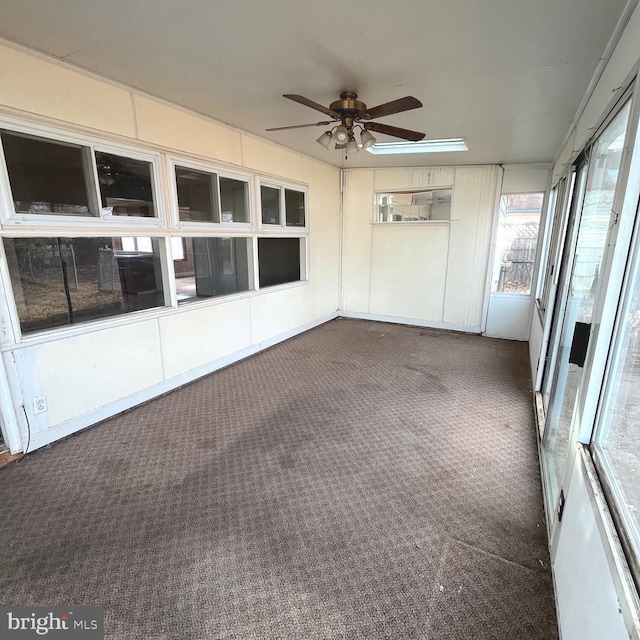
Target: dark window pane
[[197, 195], [270, 202], [234, 200], [209, 267], [46, 177], [125, 185], [279, 260], [294, 205], [61, 281]]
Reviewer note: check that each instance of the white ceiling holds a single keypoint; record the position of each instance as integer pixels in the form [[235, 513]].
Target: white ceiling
[[507, 75]]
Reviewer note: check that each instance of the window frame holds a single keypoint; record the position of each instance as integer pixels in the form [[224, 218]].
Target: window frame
[[252, 265], [9, 218], [282, 227], [216, 228], [379, 192], [81, 327]]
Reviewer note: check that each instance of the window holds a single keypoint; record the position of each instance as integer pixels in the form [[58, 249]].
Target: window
[[210, 267], [206, 197], [125, 186], [557, 222], [283, 206], [234, 200], [62, 281], [278, 260], [270, 204], [617, 439], [414, 206], [48, 177], [516, 242], [197, 195], [66, 179], [294, 208]]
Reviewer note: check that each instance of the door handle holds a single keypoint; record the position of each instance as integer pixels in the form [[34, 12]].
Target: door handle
[[580, 343]]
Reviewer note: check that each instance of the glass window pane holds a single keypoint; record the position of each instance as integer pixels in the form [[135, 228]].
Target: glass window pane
[[618, 437], [197, 195], [279, 260], [210, 267], [46, 177], [270, 204], [294, 207], [516, 242], [125, 186], [234, 200], [62, 281], [414, 206]]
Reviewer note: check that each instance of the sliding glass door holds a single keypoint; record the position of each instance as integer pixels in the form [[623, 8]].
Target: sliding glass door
[[577, 293]]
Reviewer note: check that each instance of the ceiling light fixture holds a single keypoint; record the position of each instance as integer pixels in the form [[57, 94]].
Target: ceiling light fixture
[[352, 145], [325, 139], [423, 146], [341, 135], [367, 139]]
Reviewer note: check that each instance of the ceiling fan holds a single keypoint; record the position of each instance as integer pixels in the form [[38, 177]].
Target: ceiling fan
[[349, 113]]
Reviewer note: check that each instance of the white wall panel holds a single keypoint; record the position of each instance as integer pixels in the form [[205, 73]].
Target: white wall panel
[[356, 254], [509, 316], [415, 177], [193, 338], [81, 373], [408, 271], [178, 129], [523, 178], [268, 158], [280, 311], [324, 242], [460, 275], [588, 605], [33, 84], [472, 211]]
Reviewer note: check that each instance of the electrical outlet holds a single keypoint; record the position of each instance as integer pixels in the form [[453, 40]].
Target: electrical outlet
[[40, 404]]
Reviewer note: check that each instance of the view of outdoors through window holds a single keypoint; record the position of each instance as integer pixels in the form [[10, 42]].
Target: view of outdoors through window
[[618, 437], [61, 281], [516, 242]]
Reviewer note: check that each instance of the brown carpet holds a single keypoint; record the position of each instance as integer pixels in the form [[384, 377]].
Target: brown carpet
[[361, 480]]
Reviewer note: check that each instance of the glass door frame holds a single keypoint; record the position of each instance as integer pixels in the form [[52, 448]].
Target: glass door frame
[[606, 303]]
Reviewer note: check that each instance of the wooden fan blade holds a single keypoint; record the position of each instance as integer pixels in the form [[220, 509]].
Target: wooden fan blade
[[396, 132], [310, 103], [300, 126], [395, 106]]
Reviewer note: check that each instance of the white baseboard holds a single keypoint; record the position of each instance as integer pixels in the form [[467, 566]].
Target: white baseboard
[[47, 436], [430, 324]]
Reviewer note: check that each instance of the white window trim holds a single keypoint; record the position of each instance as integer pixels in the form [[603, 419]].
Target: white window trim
[[215, 228], [9, 218], [282, 228]]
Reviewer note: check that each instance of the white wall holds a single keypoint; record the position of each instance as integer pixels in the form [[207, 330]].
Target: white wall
[[592, 601], [89, 372], [432, 273]]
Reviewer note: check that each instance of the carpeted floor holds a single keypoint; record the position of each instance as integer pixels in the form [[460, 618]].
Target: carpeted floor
[[361, 480]]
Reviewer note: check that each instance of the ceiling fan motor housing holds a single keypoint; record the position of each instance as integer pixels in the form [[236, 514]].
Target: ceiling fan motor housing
[[349, 107]]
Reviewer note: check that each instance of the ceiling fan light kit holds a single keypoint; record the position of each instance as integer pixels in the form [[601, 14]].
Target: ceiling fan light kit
[[348, 113]]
